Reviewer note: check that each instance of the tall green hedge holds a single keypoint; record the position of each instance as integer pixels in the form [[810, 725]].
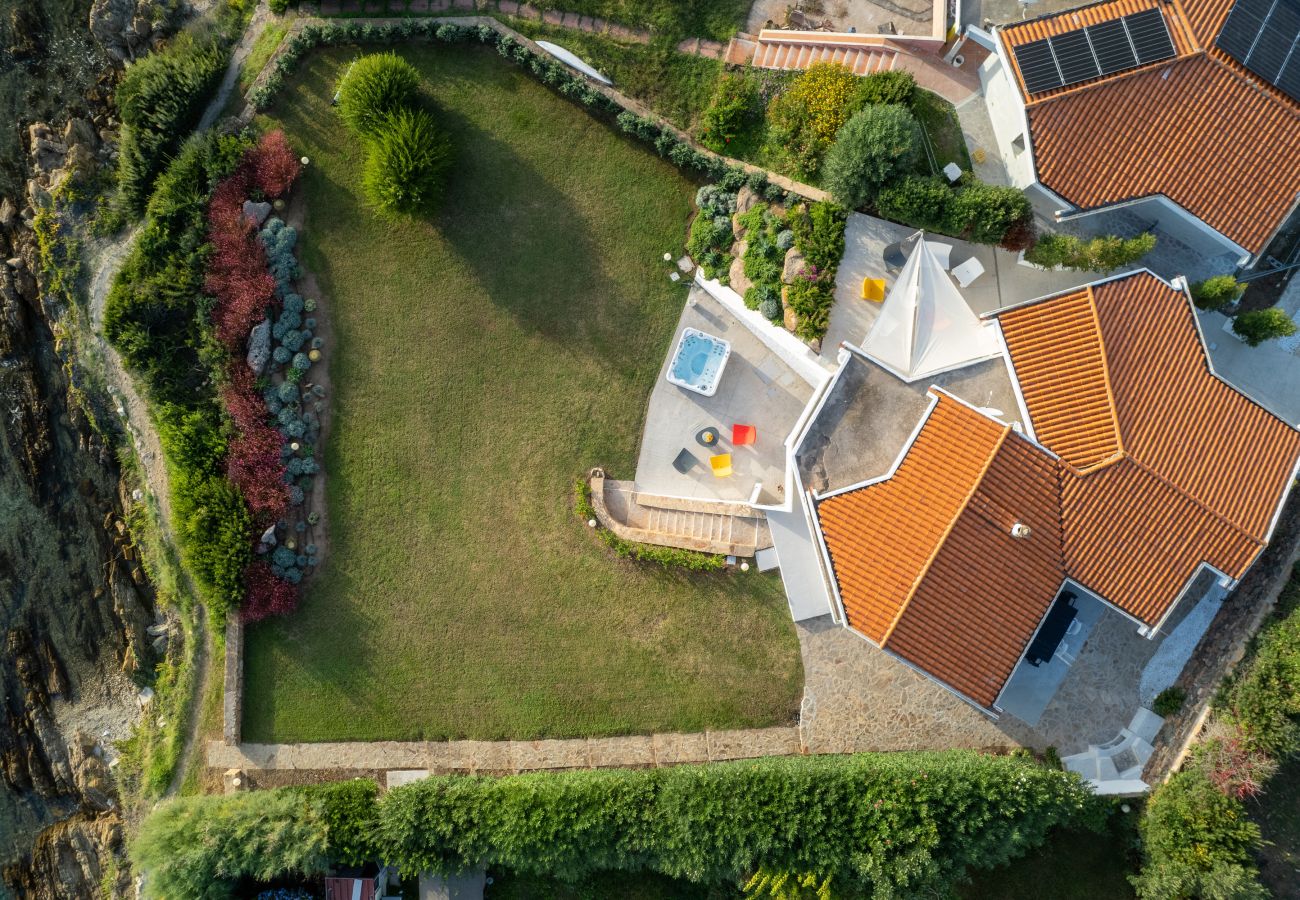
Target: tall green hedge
[[877, 824], [160, 100]]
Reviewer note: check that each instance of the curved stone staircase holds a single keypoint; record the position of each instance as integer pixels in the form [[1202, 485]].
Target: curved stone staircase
[[734, 529], [774, 49]]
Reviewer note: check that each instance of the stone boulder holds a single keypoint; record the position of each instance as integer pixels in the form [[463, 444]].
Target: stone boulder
[[259, 347], [794, 264], [48, 152], [739, 283], [746, 199], [124, 28], [80, 131], [791, 318], [256, 212]]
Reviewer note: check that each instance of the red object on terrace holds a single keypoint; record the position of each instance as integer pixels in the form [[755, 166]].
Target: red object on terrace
[[743, 434]]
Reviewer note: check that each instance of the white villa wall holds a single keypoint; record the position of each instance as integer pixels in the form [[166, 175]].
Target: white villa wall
[[1007, 113]]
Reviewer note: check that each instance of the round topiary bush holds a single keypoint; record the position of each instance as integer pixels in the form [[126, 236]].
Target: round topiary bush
[[373, 88], [771, 308], [407, 164]]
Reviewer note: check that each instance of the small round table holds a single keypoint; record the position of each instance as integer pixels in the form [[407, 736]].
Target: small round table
[[708, 437]]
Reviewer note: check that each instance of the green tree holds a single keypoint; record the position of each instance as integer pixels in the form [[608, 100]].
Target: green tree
[[407, 163], [803, 120], [198, 847], [984, 213], [1216, 292], [1197, 842], [734, 103], [1259, 325], [874, 147], [916, 201], [374, 88]]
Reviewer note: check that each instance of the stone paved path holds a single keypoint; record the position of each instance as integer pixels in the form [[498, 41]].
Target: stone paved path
[[512, 757]]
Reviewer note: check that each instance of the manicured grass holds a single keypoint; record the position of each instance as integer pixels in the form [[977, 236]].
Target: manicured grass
[[482, 361], [1072, 865], [938, 119], [260, 52], [1278, 813], [675, 85]]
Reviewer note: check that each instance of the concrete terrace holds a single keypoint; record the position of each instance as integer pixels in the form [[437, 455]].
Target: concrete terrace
[[870, 415], [1005, 281], [757, 388]]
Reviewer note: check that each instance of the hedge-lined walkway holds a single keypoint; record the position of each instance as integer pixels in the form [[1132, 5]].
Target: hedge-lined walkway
[[575, 21], [512, 757]]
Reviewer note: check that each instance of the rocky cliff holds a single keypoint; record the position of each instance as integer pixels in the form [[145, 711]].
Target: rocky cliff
[[74, 603]]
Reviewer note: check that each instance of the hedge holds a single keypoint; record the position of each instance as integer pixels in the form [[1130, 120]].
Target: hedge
[[875, 824], [159, 100]]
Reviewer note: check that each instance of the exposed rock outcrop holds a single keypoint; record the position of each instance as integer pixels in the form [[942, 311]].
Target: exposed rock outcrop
[[124, 28]]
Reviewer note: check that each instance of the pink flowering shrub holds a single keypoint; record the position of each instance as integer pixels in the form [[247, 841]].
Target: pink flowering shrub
[[273, 164]]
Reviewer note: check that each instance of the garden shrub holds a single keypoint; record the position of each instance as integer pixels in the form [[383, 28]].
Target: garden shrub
[[811, 300], [1169, 701], [733, 105], [406, 164], [159, 100], [197, 847], [819, 234], [771, 308], [985, 213], [279, 7], [917, 201], [1227, 758], [1196, 842], [1099, 253], [707, 244], [1216, 292], [872, 148], [1259, 325], [894, 86], [373, 88], [804, 118], [883, 825]]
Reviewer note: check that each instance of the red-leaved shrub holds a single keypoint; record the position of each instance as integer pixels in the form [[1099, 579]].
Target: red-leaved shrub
[[253, 460], [273, 164], [267, 595]]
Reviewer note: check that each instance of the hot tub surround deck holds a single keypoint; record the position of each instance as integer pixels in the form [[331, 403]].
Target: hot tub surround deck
[[756, 388]]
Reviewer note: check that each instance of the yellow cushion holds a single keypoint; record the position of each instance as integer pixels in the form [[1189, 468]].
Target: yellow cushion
[[721, 464], [873, 289]]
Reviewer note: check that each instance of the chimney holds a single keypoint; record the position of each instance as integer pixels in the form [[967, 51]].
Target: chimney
[[1021, 530]]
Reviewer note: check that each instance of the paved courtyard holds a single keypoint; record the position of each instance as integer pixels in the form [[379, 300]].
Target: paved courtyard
[[756, 388]]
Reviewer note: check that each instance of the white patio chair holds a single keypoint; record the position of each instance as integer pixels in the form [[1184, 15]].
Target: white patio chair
[[1074, 627], [942, 252], [1065, 653], [967, 272]]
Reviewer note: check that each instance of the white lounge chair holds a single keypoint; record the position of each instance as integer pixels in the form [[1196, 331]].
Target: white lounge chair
[[967, 272], [942, 252]]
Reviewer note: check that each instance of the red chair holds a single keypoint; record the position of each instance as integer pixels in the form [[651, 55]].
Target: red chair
[[743, 434]]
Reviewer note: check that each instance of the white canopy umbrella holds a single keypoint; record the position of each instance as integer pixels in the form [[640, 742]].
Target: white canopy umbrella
[[925, 326]]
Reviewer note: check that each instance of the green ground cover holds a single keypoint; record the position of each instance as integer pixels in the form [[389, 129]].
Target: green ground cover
[[675, 85], [260, 52], [482, 361], [1072, 865]]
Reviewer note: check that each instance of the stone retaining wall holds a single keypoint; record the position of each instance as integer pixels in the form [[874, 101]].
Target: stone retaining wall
[[232, 701]]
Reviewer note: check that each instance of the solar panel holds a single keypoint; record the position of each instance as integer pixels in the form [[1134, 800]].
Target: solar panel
[[1150, 36], [1074, 56], [1038, 66], [1095, 50], [1110, 43], [1264, 36]]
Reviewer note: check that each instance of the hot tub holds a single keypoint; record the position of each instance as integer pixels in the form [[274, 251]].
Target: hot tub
[[698, 362]]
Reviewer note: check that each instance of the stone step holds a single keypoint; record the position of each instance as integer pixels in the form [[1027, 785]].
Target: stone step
[[686, 504]]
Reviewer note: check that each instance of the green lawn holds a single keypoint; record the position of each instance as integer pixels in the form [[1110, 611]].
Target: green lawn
[[260, 52], [483, 361], [1072, 865], [1278, 813]]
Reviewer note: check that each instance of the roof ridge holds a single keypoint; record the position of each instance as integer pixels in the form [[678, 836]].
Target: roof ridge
[[938, 545], [1214, 514], [1105, 373]]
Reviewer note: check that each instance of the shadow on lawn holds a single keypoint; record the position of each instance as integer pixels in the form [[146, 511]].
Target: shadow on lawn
[[528, 244]]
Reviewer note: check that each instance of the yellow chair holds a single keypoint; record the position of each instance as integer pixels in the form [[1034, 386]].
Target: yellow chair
[[721, 465], [873, 289]]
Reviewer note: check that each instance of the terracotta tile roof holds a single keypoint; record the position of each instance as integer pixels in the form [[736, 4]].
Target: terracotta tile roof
[[1136, 540], [925, 558], [1143, 132], [1162, 467], [898, 524], [985, 582], [1060, 344]]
